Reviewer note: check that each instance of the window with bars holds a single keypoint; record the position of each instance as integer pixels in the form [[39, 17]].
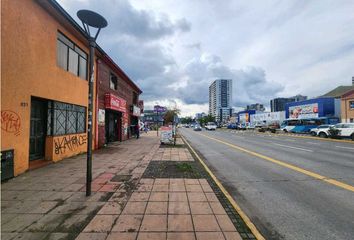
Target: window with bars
[[64, 118], [70, 57], [135, 98]]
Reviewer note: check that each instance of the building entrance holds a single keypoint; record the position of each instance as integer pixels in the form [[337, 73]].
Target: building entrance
[[113, 126], [37, 129]]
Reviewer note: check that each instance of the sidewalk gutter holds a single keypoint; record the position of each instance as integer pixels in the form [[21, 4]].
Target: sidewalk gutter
[[244, 217]]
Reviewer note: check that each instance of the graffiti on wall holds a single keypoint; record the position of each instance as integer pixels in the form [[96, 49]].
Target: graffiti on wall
[[69, 143], [10, 122]]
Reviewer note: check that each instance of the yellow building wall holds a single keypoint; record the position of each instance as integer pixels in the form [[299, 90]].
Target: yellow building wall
[[29, 68]]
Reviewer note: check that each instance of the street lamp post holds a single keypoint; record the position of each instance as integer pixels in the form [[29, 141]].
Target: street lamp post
[[94, 20]]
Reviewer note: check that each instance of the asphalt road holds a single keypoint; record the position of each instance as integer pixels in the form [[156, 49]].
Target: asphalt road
[[282, 202]]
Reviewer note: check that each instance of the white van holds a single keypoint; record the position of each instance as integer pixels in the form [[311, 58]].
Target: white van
[[210, 126]]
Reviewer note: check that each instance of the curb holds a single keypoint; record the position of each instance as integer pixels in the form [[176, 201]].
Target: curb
[[298, 136], [244, 217], [316, 138]]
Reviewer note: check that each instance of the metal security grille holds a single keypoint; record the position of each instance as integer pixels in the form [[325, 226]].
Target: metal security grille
[[64, 118]]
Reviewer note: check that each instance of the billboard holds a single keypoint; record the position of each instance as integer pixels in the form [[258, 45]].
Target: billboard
[[244, 117], [159, 109], [304, 111], [268, 117]]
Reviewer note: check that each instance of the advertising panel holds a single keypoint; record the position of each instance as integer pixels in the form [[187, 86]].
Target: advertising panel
[[136, 111], [244, 117], [159, 109], [304, 111], [268, 117], [166, 135], [101, 117]]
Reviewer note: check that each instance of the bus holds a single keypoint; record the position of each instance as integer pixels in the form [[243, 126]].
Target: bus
[[305, 125]]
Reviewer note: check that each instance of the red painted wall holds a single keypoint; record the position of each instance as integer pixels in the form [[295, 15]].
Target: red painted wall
[[125, 91]]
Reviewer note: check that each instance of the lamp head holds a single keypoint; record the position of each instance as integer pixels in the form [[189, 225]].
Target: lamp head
[[91, 19]]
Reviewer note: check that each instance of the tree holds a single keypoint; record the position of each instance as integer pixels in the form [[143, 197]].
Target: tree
[[206, 119], [170, 115], [186, 120]]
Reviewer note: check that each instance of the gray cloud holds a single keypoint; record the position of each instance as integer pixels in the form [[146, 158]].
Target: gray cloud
[[140, 61], [124, 20], [269, 48], [249, 85]]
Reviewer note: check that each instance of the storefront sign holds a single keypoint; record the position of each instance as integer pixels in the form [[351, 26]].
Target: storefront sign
[[115, 103], [135, 111], [166, 135], [304, 111], [101, 117]]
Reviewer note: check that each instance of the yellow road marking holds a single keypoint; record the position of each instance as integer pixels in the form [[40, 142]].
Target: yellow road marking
[[245, 218], [287, 165]]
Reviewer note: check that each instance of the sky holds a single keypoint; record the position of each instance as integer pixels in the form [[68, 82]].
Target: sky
[[173, 50]]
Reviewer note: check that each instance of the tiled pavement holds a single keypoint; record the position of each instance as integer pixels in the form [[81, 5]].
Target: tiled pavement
[[50, 203], [172, 154], [167, 209]]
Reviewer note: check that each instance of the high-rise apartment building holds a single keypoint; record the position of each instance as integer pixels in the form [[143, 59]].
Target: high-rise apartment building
[[220, 98], [257, 106], [199, 116], [278, 104]]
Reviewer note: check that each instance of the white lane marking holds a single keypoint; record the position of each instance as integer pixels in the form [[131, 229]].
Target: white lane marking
[[302, 149], [312, 143], [289, 140], [345, 147]]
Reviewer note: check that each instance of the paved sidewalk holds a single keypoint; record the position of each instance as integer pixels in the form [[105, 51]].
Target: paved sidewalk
[[50, 203]]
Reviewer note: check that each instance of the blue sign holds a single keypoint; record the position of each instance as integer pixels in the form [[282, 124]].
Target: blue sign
[[159, 109]]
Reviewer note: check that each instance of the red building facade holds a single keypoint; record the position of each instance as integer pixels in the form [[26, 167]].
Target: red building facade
[[117, 97]]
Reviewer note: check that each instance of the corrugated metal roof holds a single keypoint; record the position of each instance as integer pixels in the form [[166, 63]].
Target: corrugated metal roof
[[338, 91]]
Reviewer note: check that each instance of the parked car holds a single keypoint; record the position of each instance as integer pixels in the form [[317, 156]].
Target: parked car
[[346, 130], [197, 127], [232, 126], [210, 126], [242, 126], [272, 127], [321, 130]]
